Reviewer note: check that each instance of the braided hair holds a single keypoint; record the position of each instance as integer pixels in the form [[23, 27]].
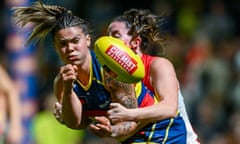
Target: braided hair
[[47, 19], [145, 24]]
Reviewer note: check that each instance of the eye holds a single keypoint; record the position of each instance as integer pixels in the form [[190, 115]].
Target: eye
[[75, 40], [61, 44], [115, 34]]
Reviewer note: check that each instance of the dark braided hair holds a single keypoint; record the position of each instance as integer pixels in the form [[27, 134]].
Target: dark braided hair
[[145, 24], [47, 19]]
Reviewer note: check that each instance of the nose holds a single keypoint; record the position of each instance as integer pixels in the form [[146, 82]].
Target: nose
[[70, 47]]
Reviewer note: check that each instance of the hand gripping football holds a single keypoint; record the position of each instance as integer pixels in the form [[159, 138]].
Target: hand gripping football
[[119, 60]]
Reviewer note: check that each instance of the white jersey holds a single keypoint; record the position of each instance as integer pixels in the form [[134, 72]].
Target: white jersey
[[191, 135]]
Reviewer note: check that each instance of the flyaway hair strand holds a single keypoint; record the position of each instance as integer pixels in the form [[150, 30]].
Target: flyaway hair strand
[[44, 18]]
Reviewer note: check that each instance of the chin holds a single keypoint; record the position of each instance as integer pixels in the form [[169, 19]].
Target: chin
[[76, 62]]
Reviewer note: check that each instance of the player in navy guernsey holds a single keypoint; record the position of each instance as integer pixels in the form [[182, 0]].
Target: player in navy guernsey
[[94, 98], [83, 89]]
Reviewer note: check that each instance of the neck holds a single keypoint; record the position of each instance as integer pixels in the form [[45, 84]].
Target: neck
[[84, 70], [138, 51]]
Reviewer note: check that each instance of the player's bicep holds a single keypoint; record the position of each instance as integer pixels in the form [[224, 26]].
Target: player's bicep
[[164, 81]]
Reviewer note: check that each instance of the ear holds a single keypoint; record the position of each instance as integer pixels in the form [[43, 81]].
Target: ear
[[136, 42], [88, 38]]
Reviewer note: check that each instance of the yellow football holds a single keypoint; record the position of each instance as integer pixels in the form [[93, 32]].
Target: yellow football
[[119, 60]]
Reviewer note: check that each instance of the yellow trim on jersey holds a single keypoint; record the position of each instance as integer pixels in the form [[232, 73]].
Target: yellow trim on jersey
[[156, 96], [152, 131], [103, 77], [90, 78], [138, 88], [167, 131]]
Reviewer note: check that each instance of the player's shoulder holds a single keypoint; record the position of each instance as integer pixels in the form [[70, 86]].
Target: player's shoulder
[[161, 62]]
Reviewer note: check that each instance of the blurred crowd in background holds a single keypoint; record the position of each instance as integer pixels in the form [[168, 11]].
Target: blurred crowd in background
[[203, 44]]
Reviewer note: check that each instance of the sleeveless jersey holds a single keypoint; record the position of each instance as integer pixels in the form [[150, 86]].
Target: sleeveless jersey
[[94, 97], [174, 130], [170, 130]]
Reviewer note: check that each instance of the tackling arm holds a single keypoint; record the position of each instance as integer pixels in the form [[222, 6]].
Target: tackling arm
[[124, 94]]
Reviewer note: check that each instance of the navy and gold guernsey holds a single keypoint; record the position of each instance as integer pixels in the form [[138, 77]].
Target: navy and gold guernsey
[[168, 131], [94, 97]]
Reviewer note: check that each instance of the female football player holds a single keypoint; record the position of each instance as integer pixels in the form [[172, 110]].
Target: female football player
[[166, 113], [83, 89]]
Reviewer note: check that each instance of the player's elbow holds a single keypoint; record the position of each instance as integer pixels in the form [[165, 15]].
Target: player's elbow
[[173, 110], [73, 124]]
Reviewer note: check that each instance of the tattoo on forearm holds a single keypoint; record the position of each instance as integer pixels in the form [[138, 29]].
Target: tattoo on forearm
[[124, 86], [116, 85], [123, 128], [126, 100], [121, 92]]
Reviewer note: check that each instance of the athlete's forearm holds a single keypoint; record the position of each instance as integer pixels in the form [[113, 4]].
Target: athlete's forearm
[[58, 88], [125, 134], [123, 128], [124, 94], [153, 113], [121, 92], [71, 110]]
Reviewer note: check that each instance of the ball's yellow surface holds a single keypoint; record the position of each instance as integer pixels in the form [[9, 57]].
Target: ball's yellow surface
[[119, 60]]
